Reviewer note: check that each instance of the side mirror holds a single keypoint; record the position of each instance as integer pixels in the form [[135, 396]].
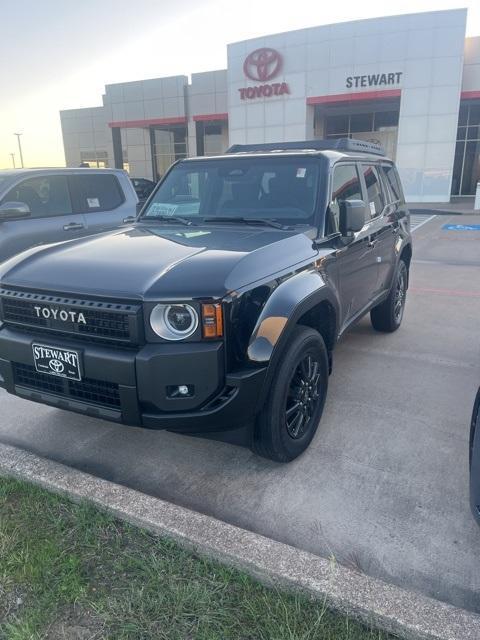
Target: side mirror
[[352, 216], [14, 211]]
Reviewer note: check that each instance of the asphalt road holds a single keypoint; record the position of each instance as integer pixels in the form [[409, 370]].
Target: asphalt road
[[384, 486]]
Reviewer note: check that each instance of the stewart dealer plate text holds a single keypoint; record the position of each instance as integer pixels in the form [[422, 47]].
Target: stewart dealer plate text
[[53, 361]]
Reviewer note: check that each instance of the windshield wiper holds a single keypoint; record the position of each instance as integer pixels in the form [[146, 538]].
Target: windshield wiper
[[184, 221], [242, 220]]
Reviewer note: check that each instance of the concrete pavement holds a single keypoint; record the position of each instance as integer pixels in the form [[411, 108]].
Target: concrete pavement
[[382, 606], [384, 486]]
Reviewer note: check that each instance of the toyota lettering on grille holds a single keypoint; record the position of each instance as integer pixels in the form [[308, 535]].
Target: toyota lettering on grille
[[48, 313]]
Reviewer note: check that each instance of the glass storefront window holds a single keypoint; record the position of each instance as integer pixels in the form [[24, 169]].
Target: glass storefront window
[[473, 133], [374, 123], [386, 119], [471, 167], [474, 115], [169, 145], [94, 159], [457, 167], [466, 167], [213, 140], [337, 126], [361, 122], [463, 115]]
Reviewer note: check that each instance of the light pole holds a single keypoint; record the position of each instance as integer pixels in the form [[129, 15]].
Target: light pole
[[13, 160], [19, 147]]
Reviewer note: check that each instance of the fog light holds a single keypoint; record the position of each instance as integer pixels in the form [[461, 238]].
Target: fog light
[[180, 391]]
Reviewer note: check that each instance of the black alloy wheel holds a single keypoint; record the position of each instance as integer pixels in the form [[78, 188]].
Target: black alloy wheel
[[400, 295], [303, 396], [297, 391], [388, 315]]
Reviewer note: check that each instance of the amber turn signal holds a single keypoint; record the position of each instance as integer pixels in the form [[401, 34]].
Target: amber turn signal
[[212, 320]]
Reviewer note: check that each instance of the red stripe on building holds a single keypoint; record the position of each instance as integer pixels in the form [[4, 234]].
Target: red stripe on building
[[470, 95], [355, 97], [208, 117], [128, 124]]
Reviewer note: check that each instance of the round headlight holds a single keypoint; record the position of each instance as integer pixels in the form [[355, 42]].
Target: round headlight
[[174, 321]]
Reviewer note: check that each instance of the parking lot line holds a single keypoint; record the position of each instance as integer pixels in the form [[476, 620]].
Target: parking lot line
[[418, 220]]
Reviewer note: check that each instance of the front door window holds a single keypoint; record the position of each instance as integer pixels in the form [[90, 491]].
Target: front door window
[[45, 196]]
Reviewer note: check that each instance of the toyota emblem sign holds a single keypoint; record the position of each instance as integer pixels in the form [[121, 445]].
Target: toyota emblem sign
[[261, 66]]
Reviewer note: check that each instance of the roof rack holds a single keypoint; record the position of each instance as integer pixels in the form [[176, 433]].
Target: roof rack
[[339, 144]]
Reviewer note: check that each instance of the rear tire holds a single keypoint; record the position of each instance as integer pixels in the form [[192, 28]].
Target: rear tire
[[294, 405], [387, 316]]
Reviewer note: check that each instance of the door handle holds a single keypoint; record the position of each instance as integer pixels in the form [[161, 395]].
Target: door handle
[[73, 226]]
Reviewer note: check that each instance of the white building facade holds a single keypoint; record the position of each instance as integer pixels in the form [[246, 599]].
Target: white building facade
[[411, 82]]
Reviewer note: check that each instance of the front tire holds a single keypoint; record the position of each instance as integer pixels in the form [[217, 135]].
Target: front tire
[[289, 419], [388, 315]]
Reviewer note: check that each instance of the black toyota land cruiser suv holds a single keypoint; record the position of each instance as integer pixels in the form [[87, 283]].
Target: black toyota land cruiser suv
[[218, 310]]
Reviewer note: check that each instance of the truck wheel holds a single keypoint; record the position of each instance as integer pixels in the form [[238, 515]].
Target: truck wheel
[[388, 315], [289, 419]]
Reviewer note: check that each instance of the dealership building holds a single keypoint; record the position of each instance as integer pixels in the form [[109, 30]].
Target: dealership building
[[411, 82]]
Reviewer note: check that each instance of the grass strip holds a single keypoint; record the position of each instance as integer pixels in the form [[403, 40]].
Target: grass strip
[[68, 570]]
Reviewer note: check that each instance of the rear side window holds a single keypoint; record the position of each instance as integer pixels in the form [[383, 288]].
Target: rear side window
[[393, 182], [345, 186], [95, 192], [375, 197], [46, 196]]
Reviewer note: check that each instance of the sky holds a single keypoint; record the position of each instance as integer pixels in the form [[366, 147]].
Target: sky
[[59, 54]]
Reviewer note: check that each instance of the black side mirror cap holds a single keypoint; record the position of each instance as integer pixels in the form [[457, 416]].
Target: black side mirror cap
[[14, 211], [352, 216]]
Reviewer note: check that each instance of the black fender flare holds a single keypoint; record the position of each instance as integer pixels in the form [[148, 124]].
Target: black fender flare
[[287, 304]]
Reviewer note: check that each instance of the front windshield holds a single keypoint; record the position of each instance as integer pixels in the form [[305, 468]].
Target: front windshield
[[257, 188]]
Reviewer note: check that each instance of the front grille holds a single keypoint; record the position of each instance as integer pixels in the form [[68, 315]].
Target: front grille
[[94, 392], [40, 334], [86, 319], [27, 376]]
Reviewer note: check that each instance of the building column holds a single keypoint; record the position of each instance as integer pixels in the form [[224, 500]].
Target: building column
[[200, 138], [117, 148], [192, 139], [310, 122]]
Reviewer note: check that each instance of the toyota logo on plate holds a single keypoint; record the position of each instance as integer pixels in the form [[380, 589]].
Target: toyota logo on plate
[[262, 64], [56, 366]]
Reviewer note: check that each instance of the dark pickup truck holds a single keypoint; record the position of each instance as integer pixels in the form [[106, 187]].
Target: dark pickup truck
[[217, 312]]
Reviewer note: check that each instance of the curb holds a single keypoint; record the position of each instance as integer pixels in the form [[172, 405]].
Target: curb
[[407, 614]]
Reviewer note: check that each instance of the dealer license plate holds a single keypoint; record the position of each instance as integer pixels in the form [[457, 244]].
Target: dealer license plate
[[53, 361]]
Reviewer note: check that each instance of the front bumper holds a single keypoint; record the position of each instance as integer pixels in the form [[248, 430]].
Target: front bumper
[[475, 460], [130, 386]]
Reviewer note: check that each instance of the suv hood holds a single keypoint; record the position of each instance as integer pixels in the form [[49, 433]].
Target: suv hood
[[160, 261]]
